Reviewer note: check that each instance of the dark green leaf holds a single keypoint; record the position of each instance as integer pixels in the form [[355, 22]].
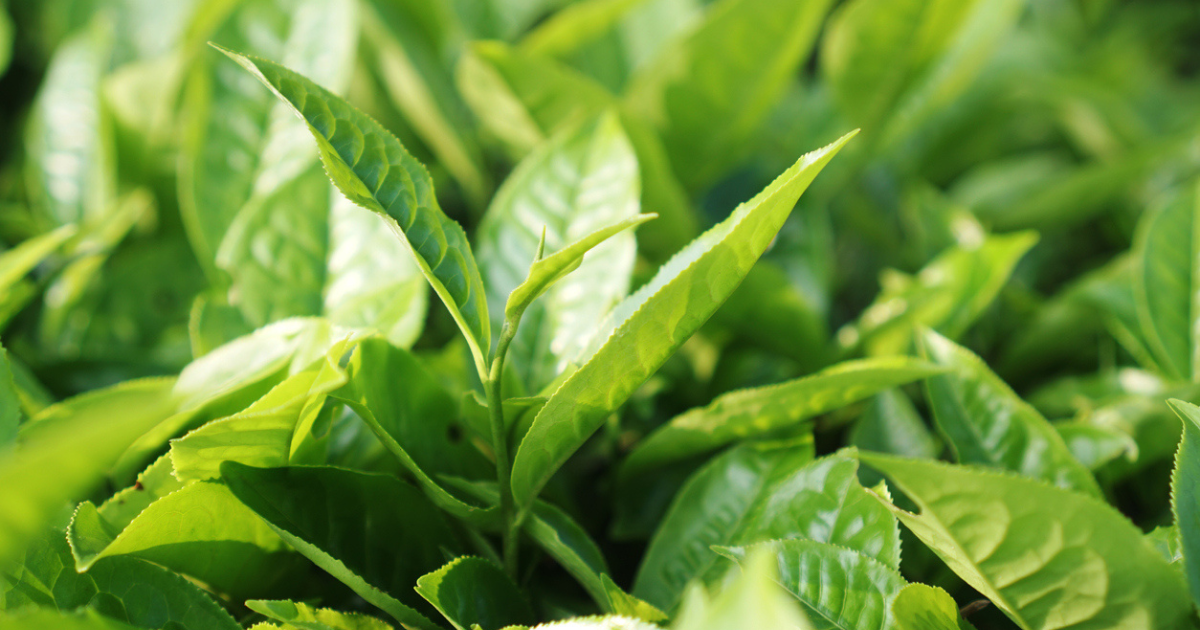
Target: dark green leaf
[[987, 423], [472, 591], [370, 166], [1185, 492], [385, 535]]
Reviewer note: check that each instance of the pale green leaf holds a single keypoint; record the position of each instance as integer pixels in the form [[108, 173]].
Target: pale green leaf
[[201, 531], [70, 155], [838, 588], [924, 607], [472, 591], [387, 533], [750, 413], [576, 25], [42, 618], [370, 166], [1047, 557], [268, 432], [709, 93], [1095, 446], [751, 600], [583, 181], [653, 322], [240, 142], [15, 263], [68, 452], [305, 617]]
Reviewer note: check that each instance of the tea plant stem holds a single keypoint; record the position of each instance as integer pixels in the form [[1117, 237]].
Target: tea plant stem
[[495, 397]]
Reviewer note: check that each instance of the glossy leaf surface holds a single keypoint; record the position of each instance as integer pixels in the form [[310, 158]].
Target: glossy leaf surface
[[371, 168], [471, 591], [653, 322]]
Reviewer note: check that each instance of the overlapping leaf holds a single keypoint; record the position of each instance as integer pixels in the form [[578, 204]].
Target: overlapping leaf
[[653, 322]]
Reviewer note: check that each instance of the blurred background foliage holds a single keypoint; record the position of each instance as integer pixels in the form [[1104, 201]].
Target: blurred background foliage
[[1009, 150]]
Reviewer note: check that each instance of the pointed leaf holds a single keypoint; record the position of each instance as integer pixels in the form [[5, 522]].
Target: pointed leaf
[[385, 536], [583, 181], [749, 413], [987, 423], [201, 531], [838, 588], [305, 617], [1047, 557], [371, 168], [472, 591], [240, 142], [1185, 492], [653, 322]]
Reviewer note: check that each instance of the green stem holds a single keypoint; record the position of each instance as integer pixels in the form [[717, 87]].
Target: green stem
[[495, 398]]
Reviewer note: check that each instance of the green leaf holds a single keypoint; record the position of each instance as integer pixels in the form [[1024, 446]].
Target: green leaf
[[750, 413], [627, 605], [416, 422], [1166, 540], [523, 99], [1047, 557], [751, 600], [155, 482], [611, 622], [1096, 446], [576, 24], [370, 166], [239, 142], [987, 423], [890, 424], [709, 93], [473, 591], [407, 40], [1185, 492], [924, 607], [653, 322], [41, 618], [838, 588], [583, 181], [200, 530], [10, 402], [1164, 273], [758, 492], [63, 455], [70, 155], [305, 617], [387, 533], [6, 39], [126, 589], [267, 433], [769, 312], [948, 294], [15, 263], [890, 59]]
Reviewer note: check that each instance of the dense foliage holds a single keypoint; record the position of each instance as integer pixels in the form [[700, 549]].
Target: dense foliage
[[704, 315]]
